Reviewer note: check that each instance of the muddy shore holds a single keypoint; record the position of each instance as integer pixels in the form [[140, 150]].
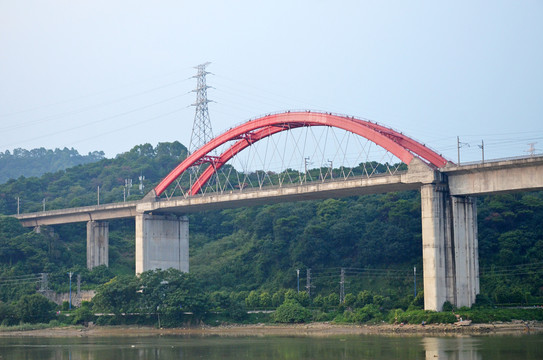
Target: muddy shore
[[312, 329]]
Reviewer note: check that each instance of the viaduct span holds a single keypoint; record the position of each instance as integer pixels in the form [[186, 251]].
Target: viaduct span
[[448, 191]]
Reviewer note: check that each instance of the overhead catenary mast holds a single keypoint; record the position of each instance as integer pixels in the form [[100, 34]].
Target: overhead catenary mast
[[201, 129]]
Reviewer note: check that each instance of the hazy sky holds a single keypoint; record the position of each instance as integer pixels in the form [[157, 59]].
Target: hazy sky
[[108, 75]]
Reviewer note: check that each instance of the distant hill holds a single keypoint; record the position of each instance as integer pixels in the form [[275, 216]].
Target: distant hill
[[37, 162]]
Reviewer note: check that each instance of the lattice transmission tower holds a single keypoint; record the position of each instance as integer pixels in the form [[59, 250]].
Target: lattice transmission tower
[[201, 129]]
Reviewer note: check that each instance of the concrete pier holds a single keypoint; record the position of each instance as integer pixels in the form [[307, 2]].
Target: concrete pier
[[449, 248], [162, 242], [466, 250], [97, 243], [436, 243]]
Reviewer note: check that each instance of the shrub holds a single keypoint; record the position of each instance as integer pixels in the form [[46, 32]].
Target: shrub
[[331, 300], [363, 298], [447, 306], [278, 298], [319, 302], [367, 313], [236, 311], [430, 317], [35, 309], [482, 300], [265, 300], [291, 312], [350, 299], [319, 315], [253, 300], [83, 314], [418, 301]]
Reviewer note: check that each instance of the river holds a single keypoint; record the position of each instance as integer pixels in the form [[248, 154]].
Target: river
[[506, 347]]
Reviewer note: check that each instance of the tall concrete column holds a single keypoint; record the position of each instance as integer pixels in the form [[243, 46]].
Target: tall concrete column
[[449, 248], [436, 246], [162, 242], [466, 250], [97, 243]]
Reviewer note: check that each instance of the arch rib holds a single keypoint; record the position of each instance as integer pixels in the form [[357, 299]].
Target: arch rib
[[403, 147]]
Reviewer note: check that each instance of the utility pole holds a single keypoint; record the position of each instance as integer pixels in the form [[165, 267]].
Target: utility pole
[[342, 287], [18, 205], [43, 204], [43, 283], [415, 279], [532, 149], [308, 282], [70, 303], [306, 160], [141, 178], [78, 284], [127, 186], [482, 147], [201, 128], [98, 200], [458, 146], [298, 279]]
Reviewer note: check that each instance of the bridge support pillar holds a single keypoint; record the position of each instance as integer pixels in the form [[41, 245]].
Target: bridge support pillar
[[162, 242], [466, 246], [450, 248], [97, 244]]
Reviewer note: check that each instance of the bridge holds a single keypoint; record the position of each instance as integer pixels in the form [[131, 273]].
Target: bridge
[[448, 191]]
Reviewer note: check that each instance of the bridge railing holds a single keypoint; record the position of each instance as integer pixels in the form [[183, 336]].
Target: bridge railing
[[521, 157], [246, 190]]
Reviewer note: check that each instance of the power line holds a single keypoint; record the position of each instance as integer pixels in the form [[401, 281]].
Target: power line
[[96, 121], [104, 91], [86, 108]]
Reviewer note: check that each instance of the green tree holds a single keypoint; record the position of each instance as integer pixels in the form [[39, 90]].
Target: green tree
[[265, 299], [278, 298], [253, 300], [119, 295], [35, 309], [291, 312], [332, 300], [350, 300], [83, 314], [363, 298]]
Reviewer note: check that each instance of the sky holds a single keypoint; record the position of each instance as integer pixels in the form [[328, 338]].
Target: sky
[[109, 75]]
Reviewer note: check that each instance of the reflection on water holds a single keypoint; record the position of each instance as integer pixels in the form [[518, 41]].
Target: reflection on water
[[456, 348], [274, 347]]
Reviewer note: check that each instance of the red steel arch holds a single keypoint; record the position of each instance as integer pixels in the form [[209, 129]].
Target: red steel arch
[[403, 147]]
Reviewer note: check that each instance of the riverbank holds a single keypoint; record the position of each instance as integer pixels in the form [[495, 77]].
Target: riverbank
[[311, 329]]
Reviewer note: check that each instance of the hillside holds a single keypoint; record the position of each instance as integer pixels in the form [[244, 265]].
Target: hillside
[[377, 238], [37, 162]]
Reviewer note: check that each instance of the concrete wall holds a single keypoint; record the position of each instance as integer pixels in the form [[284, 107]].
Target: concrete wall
[[77, 297], [97, 243], [162, 242]]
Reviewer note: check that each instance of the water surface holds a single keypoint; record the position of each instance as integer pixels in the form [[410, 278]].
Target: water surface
[[274, 347]]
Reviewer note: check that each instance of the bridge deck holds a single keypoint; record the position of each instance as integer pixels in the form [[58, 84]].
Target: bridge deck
[[525, 174], [213, 201]]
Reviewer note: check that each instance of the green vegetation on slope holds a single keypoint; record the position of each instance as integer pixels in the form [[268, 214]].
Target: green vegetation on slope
[[247, 258], [37, 162]]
